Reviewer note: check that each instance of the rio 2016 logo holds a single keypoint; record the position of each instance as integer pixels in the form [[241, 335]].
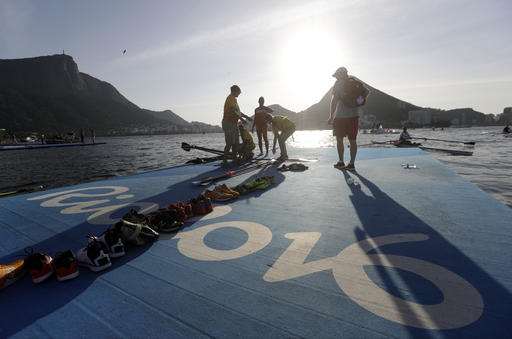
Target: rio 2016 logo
[[462, 303]]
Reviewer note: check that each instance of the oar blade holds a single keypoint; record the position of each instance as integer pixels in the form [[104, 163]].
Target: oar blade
[[186, 147]]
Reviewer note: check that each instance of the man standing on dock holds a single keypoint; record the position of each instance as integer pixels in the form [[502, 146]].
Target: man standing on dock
[[230, 123], [345, 118]]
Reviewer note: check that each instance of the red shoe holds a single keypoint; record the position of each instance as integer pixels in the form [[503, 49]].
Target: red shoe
[[208, 205], [339, 164], [182, 216], [65, 266], [189, 210], [198, 207], [39, 265]]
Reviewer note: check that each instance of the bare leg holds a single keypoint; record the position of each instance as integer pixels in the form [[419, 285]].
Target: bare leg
[[341, 149], [353, 150], [260, 144], [266, 140], [226, 151]]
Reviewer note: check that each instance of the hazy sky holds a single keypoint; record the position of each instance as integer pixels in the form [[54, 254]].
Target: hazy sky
[[184, 55]]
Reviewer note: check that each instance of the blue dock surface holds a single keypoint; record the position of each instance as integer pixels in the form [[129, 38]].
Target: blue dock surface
[[404, 252]]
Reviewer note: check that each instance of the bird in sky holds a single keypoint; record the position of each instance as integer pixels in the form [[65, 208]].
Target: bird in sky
[[124, 51]]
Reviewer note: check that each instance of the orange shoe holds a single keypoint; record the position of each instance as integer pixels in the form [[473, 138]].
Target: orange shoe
[[218, 195], [12, 272], [227, 189]]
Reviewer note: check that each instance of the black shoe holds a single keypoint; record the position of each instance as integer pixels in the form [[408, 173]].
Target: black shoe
[[134, 217], [148, 234]]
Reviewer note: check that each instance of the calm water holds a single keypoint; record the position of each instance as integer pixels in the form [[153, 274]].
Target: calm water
[[489, 167]]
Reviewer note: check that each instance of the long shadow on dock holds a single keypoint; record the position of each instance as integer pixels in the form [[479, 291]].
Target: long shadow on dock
[[382, 216]]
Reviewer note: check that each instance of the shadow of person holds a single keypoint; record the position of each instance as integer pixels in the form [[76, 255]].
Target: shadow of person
[[421, 279]]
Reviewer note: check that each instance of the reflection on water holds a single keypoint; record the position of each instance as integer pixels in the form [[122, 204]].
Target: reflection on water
[[489, 167], [312, 139]]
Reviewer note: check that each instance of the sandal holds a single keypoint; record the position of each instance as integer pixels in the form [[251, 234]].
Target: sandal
[[339, 164], [350, 167]]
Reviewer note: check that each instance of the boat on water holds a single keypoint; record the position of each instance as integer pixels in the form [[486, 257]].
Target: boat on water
[[14, 147], [385, 251], [395, 143]]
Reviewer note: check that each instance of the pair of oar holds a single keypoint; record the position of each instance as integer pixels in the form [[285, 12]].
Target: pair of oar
[[188, 147], [454, 141], [229, 174]]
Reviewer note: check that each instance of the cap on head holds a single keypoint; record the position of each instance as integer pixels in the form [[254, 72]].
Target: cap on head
[[235, 89], [341, 70]]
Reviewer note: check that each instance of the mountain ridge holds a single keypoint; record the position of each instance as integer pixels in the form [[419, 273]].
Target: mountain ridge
[[49, 94]]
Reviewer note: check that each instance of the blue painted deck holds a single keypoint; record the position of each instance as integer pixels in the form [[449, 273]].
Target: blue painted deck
[[417, 253]]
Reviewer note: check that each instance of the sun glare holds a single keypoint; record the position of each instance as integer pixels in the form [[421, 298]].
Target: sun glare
[[308, 59]]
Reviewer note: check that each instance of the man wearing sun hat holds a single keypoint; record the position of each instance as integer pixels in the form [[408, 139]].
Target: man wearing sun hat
[[345, 119]]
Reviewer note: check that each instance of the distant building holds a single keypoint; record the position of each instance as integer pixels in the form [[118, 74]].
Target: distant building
[[422, 116], [490, 119], [367, 121]]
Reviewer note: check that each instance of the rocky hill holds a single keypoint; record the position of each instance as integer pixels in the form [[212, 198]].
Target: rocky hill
[[48, 94], [387, 109]]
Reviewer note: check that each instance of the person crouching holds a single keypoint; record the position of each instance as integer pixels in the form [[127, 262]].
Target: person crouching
[[247, 147], [283, 128]]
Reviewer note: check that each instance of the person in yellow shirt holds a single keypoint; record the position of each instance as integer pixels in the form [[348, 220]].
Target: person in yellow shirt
[[246, 151], [283, 128], [229, 123]]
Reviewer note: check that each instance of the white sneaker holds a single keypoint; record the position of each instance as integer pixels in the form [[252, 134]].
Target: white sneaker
[[112, 241], [95, 256]]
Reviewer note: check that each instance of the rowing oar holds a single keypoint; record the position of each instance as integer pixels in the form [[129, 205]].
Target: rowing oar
[[459, 142], [188, 147], [229, 174]]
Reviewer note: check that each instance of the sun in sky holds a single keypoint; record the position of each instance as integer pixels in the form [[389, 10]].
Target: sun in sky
[[308, 59]]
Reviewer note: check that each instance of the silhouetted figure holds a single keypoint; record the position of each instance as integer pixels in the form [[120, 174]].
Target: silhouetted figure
[[404, 136], [507, 129], [344, 116], [247, 143], [261, 124], [82, 135], [283, 128], [229, 123]]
